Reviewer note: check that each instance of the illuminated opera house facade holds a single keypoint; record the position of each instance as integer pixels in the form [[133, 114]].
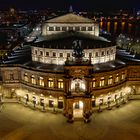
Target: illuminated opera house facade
[[69, 68]]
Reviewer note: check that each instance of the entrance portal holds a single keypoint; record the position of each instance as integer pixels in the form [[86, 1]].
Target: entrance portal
[[78, 109]]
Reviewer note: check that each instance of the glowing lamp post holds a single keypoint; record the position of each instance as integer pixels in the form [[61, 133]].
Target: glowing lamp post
[[54, 106], [108, 103], [116, 100], [42, 104], [26, 99], [34, 102], [100, 103]]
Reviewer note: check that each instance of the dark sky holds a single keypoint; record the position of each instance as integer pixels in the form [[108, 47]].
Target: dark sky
[[64, 4]]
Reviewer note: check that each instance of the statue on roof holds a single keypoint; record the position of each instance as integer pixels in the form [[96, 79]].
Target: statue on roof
[[77, 49], [70, 9]]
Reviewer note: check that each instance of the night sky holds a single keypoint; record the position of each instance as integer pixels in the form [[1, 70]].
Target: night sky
[[64, 4]]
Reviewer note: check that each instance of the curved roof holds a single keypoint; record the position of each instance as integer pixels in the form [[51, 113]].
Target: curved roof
[[70, 18]]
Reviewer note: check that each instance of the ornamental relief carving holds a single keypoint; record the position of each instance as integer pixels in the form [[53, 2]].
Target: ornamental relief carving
[[78, 72]]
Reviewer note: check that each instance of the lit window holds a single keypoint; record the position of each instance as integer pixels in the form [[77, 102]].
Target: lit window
[[41, 81], [50, 83], [117, 78], [123, 75], [33, 81], [47, 53], [26, 77], [110, 80], [54, 54], [60, 83], [61, 54], [102, 81], [94, 83]]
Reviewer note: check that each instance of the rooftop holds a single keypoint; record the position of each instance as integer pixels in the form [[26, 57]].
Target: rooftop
[[70, 18]]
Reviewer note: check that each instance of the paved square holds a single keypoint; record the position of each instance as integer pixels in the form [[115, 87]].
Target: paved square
[[21, 123]]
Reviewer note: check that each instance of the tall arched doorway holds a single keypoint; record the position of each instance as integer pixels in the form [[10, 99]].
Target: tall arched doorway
[[78, 109]]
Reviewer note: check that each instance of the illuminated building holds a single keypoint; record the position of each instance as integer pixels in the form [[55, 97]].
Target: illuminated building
[[70, 69]]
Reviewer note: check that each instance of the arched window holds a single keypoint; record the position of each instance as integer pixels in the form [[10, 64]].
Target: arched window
[[33, 81], [60, 83], [102, 81], [110, 80], [50, 83], [26, 79], [41, 81]]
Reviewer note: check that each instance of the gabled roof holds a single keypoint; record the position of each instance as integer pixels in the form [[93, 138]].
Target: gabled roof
[[70, 18]]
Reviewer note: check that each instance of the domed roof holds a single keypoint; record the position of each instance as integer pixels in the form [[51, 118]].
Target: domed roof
[[65, 40]]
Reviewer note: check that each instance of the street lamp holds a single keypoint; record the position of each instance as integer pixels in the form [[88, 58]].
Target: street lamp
[[42, 104], [53, 102], [26, 99], [108, 103], [34, 102], [116, 100], [100, 103]]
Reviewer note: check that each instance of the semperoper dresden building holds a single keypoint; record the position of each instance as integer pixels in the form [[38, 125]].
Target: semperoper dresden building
[[69, 68]]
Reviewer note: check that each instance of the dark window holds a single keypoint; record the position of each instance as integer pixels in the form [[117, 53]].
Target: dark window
[[35, 51], [83, 28], [64, 28], [93, 103], [51, 29], [47, 53], [60, 104], [89, 28], [54, 54], [77, 28], [68, 54], [70, 28], [51, 103], [103, 54], [96, 54], [41, 53], [90, 54], [57, 28], [107, 52], [61, 54]]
